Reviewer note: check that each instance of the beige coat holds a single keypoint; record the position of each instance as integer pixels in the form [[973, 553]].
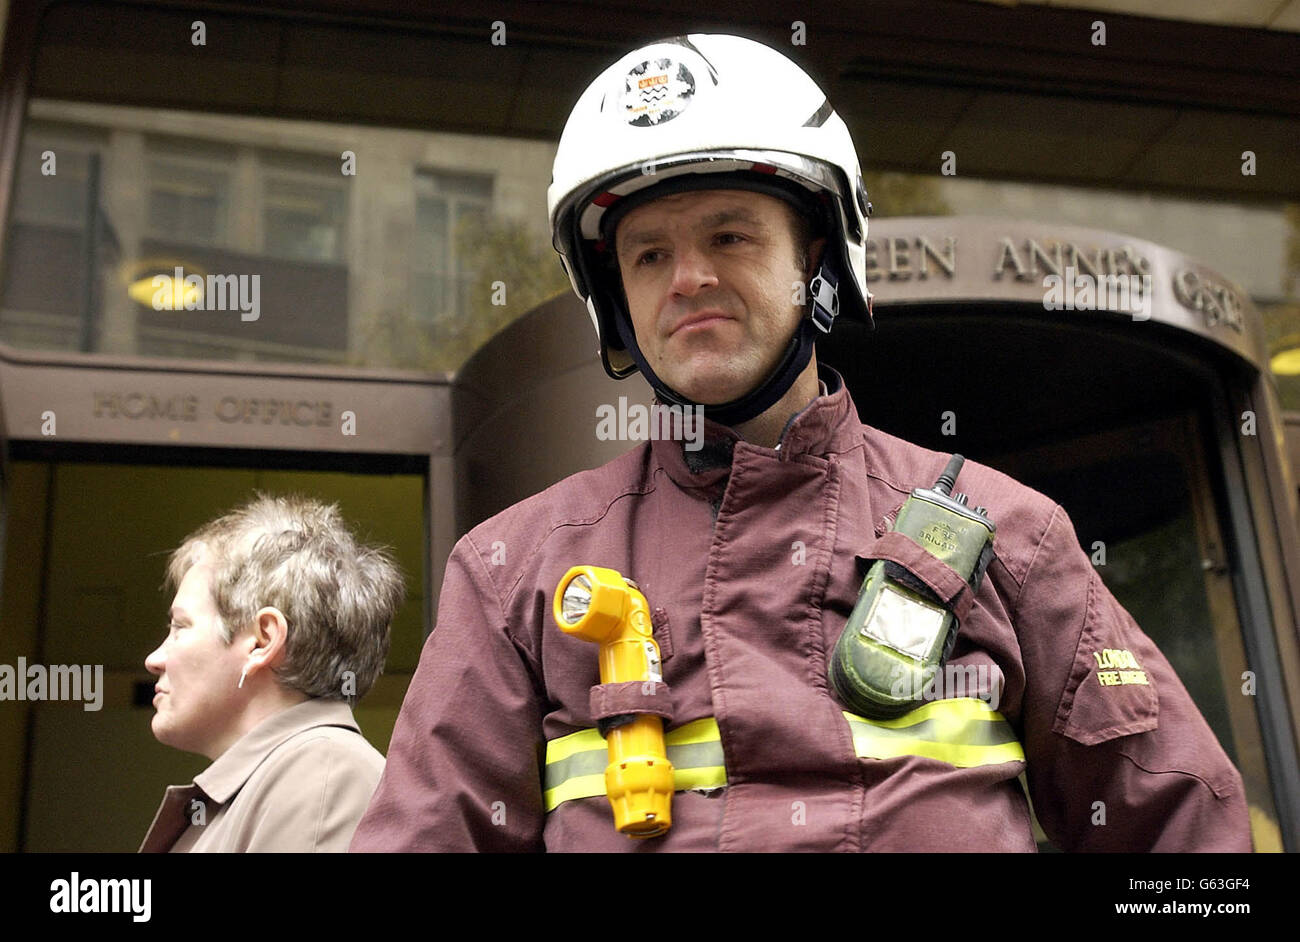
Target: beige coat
[[298, 782]]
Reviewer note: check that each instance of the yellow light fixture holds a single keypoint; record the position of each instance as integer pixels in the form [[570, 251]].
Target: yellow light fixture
[[165, 284], [1285, 360]]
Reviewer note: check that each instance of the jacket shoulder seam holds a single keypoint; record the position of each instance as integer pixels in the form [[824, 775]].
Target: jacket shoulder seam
[[639, 490], [300, 740], [486, 574], [285, 751], [1033, 560]]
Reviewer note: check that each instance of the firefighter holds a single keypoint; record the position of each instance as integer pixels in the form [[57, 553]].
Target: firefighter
[[708, 206]]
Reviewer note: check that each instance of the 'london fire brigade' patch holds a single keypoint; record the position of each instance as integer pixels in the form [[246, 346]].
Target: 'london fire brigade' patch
[[1117, 667], [657, 90]]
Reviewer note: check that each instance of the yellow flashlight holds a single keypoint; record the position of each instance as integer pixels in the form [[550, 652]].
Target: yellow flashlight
[[601, 606]]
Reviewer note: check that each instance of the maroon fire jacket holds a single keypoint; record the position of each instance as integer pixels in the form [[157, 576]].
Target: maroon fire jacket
[[748, 558]]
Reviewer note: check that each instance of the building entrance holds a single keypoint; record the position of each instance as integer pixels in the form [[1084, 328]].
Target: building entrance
[[1109, 420], [87, 544]]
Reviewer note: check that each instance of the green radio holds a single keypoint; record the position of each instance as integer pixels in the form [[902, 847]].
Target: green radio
[[899, 634]]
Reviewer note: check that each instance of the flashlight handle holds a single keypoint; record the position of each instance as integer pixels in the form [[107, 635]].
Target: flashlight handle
[[639, 777]]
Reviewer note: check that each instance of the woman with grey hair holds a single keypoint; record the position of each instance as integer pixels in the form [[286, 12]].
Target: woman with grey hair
[[280, 621]]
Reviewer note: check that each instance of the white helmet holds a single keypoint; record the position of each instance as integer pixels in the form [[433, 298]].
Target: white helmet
[[673, 115]]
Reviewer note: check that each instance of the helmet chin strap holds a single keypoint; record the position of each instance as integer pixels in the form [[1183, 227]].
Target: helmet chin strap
[[823, 307]]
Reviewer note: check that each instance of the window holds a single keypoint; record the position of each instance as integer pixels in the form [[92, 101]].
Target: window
[[448, 207], [304, 205], [52, 178], [50, 286], [229, 161], [189, 200]]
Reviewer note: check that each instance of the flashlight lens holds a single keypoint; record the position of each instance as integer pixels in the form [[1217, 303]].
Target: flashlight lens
[[576, 599]]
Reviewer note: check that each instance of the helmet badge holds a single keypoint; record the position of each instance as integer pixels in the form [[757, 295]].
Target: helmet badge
[[656, 91]]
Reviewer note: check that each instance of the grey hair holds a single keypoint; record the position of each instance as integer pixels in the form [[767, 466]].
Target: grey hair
[[298, 555]]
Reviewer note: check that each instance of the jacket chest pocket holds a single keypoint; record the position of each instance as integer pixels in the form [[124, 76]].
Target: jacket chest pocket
[[1110, 691]]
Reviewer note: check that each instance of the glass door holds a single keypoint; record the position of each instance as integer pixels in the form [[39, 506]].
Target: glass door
[[1143, 502]]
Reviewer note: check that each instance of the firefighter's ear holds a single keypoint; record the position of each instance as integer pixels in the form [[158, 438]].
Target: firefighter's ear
[[815, 249]]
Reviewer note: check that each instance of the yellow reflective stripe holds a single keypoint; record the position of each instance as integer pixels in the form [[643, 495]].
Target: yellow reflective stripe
[[704, 729], [581, 741], [963, 732], [582, 786], [585, 740], [695, 751], [964, 708], [711, 776], [964, 757]]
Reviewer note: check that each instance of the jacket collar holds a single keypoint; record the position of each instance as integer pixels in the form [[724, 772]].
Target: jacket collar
[[227, 775], [827, 425]]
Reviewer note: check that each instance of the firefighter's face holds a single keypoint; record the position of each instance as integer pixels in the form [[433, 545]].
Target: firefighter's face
[[714, 287]]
